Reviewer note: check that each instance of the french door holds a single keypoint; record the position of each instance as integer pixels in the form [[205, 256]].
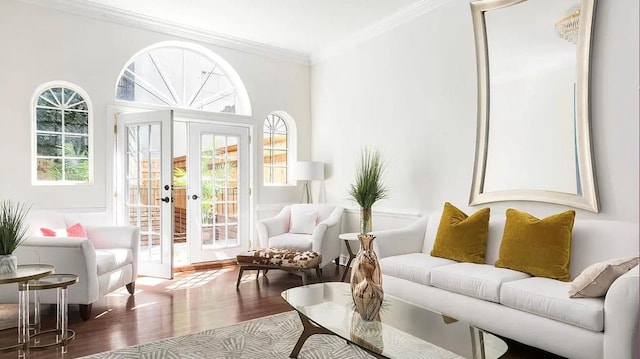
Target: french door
[[218, 191], [144, 181]]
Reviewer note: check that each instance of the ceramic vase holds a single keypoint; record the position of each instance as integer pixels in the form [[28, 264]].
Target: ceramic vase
[[365, 220], [366, 280], [8, 263]]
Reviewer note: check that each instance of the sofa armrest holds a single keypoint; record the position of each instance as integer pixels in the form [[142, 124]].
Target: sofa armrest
[[273, 226], [409, 239], [621, 317], [68, 255], [107, 237]]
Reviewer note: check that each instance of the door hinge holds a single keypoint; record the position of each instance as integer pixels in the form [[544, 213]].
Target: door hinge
[[249, 139], [249, 192], [115, 123]]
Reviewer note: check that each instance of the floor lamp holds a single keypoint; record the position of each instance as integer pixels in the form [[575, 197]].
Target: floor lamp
[[307, 171]]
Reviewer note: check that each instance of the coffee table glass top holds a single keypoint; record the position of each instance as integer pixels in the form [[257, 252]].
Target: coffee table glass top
[[25, 272], [405, 330]]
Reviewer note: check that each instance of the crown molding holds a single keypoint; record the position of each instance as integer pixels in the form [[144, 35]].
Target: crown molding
[[378, 28], [107, 13]]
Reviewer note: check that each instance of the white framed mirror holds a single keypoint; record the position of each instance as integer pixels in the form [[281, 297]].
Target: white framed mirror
[[533, 135]]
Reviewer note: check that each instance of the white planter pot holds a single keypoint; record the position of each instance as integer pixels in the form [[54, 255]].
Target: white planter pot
[[8, 263]]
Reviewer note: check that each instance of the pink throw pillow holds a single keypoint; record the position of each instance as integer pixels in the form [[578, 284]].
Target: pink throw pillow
[[47, 232], [76, 231]]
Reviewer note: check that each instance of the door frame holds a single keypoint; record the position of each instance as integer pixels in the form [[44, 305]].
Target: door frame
[[223, 119]]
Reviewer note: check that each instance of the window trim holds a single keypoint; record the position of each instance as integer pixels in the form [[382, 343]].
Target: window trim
[[33, 134], [291, 147]]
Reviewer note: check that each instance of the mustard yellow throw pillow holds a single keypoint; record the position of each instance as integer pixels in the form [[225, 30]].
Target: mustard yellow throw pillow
[[540, 247], [460, 237]]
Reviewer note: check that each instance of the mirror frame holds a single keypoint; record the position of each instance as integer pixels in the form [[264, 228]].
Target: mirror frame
[[588, 199]]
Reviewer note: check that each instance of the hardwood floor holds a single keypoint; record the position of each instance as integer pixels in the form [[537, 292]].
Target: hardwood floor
[[191, 302]]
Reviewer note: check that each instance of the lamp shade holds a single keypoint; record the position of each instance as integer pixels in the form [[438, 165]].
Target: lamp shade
[[307, 171]]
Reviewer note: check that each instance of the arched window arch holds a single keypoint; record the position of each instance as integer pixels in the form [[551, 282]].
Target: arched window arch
[[182, 75], [278, 141], [62, 120]]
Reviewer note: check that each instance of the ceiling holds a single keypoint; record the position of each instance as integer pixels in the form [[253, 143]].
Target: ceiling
[[304, 26]]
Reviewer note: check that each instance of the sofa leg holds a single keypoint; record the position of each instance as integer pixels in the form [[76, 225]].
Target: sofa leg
[[131, 287], [337, 261], [85, 311]]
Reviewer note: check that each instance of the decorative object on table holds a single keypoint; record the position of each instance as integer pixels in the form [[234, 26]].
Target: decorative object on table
[[307, 171], [12, 233], [368, 186], [366, 280], [367, 333]]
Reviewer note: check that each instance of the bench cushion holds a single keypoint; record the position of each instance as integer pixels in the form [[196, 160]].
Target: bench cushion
[[278, 257]]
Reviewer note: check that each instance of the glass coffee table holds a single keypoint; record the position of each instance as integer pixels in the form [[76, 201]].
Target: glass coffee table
[[405, 330]]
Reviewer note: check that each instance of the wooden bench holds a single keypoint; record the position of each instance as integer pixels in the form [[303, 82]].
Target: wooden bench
[[296, 262]]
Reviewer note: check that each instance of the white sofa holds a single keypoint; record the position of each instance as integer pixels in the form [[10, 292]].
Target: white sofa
[[105, 261], [531, 310], [322, 237]]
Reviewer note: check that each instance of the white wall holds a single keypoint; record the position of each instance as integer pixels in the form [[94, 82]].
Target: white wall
[[40, 45], [411, 93]]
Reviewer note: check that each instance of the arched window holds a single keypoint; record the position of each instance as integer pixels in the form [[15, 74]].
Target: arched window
[[62, 134], [182, 75], [276, 157]]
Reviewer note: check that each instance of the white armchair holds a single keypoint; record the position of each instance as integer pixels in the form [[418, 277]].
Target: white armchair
[[104, 261], [306, 227]]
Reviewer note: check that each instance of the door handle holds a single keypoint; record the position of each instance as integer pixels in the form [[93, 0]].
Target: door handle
[[195, 196], [165, 199]]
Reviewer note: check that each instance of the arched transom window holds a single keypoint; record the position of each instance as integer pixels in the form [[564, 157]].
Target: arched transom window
[[62, 136], [181, 75], [275, 144]]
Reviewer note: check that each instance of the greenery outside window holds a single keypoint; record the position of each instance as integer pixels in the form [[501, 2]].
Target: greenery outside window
[[62, 135], [275, 147]]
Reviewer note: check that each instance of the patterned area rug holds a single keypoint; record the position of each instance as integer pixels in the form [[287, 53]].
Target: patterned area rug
[[268, 337], [273, 337]]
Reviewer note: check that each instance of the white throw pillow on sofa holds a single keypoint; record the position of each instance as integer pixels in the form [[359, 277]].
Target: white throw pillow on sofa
[[303, 222], [596, 279]]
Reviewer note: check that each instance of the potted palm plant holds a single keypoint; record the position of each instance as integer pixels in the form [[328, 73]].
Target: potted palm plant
[[368, 186], [12, 233]]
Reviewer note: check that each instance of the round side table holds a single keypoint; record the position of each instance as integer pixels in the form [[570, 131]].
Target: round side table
[[23, 274], [60, 282], [346, 237]]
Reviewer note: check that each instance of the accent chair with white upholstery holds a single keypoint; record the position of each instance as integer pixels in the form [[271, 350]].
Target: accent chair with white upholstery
[[304, 227], [104, 261]]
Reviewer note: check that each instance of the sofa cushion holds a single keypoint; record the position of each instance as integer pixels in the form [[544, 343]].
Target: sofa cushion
[[548, 298], [540, 247], [295, 241], [596, 279], [110, 259], [481, 281], [461, 237], [415, 267]]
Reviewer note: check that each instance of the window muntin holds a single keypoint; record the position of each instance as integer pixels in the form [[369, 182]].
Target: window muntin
[[61, 136], [178, 77], [275, 147]]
